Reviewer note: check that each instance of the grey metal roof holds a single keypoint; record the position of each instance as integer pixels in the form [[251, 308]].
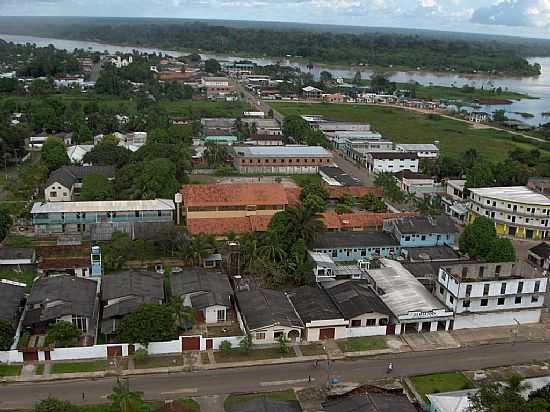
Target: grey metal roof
[[137, 284], [402, 292], [354, 239], [122, 307], [261, 308], [541, 250], [69, 175], [432, 253], [370, 402], [393, 155], [282, 151], [62, 295], [10, 253], [104, 206], [265, 405], [312, 303], [11, 296], [425, 224], [354, 298], [208, 288]]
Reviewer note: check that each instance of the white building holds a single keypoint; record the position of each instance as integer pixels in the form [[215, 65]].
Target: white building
[[392, 162], [422, 150], [69, 82], [214, 82], [491, 294], [120, 61], [478, 117], [454, 200]]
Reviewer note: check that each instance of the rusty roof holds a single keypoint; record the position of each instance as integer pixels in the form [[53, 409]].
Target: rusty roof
[[234, 194]]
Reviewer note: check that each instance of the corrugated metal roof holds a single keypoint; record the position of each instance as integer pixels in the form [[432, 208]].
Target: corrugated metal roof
[[103, 206], [518, 194], [282, 151]]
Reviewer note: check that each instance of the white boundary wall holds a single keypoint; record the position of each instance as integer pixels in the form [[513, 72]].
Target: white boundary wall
[[507, 318], [366, 331]]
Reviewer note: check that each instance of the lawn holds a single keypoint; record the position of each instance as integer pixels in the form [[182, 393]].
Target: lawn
[[404, 126], [10, 370], [195, 109], [441, 382], [256, 354], [304, 180], [362, 344], [75, 367], [236, 399], [21, 277], [39, 369], [312, 350]]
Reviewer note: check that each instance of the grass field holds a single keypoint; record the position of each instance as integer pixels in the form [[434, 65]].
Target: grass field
[[441, 382], [75, 367], [236, 399], [10, 370], [195, 109], [362, 344], [404, 126]]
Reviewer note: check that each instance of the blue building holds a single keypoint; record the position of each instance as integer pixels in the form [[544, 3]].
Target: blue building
[[422, 231], [354, 246]]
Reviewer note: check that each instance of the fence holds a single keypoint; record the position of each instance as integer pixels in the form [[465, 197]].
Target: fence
[[122, 349]]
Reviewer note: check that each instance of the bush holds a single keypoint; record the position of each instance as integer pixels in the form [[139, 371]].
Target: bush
[[283, 345], [141, 354], [62, 333], [225, 347]]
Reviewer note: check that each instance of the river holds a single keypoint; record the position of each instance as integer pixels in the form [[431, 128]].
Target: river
[[538, 86]]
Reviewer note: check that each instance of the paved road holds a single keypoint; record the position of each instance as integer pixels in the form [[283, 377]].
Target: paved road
[[276, 377]]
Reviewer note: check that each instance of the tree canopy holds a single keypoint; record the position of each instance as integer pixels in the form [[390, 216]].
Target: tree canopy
[[96, 186], [53, 153], [150, 323], [62, 333], [7, 332], [479, 241]]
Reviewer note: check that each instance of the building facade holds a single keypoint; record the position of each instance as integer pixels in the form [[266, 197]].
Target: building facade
[[517, 211], [392, 162]]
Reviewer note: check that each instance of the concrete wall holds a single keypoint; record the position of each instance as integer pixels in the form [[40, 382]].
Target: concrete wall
[[11, 356], [485, 320], [367, 331], [428, 240], [358, 252], [211, 314]]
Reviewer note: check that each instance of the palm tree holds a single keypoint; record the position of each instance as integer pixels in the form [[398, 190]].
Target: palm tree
[[183, 314], [123, 399], [305, 222], [200, 247], [272, 249]]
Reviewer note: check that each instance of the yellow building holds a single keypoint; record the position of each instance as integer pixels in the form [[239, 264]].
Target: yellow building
[[517, 211]]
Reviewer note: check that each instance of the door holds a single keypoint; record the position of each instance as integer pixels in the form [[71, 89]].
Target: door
[[30, 356], [209, 344], [131, 349], [390, 329], [47, 355], [114, 351], [191, 343], [326, 333]]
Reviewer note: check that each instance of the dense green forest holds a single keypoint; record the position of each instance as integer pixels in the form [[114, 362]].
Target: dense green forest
[[379, 49]]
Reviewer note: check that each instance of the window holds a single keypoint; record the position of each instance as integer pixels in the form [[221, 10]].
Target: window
[[497, 269], [278, 334], [484, 302], [500, 301], [517, 300], [334, 253], [159, 213], [136, 213], [466, 304], [534, 299], [81, 323], [260, 335], [407, 238], [481, 271], [503, 288], [451, 299], [423, 237], [465, 271], [356, 323], [486, 289], [371, 322], [468, 290], [441, 290], [520, 287], [537, 285], [53, 194], [221, 315], [363, 252]]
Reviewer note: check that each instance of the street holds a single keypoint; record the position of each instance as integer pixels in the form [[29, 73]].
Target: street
[[276, 377]]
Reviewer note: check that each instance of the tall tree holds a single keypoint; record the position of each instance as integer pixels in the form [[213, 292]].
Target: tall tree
[[7, 332], [54, 154], [150, 323], [96, 186]]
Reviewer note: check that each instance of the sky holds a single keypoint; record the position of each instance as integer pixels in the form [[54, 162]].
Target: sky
[[511, 17]]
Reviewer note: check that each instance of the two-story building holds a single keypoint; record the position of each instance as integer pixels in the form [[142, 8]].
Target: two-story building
[[99, 219], [422, 231], [517, 211], [491, 294], [290, 159], [392, 162], [422, 150], [454, 200], [64, 184], [358, 149], [354, 246]]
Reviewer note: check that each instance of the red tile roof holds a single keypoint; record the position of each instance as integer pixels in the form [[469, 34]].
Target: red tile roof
[[293, 194], [359, 220], [238, 194], [336, 192], [223, 226]]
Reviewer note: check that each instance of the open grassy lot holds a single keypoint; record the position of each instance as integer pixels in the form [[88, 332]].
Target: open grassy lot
[[75, 367], [441, 382], [195, 109], [22, 277], [312, 350], [256, 354], [404, 126], [10, 370], [362, 344], [236, 399]]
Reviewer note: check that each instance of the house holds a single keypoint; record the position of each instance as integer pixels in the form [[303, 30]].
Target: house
[[392, 162], [414, 309], [415, 183], [325, 268], [264, 404], [76, 153], [359, 220], [357, 149], [64, 297], [369, 398], [418, 231], [339, 138], [455, 200], [17, 259], [64, 184], [430, 254], [334, 98], [121, 61], [362, 308], [491, 294], [290, 159], [355, 246], [478, 117], [221, 227], [36, 142], [356, 192], [99, 219], [310, 92], [539, 255], [422, 150], [76, 266], [209, 293], [262, 127], [269, 315], [12, 300], [220, 125], [65, 82], [321, 318], [517, 211], [131, 141], [334, 176], [124, 292]]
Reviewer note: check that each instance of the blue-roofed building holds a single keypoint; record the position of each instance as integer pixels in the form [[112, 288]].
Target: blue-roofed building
[[422, 231], [354, 246]]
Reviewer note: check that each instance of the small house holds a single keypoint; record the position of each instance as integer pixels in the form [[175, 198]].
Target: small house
[[421, 231]]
